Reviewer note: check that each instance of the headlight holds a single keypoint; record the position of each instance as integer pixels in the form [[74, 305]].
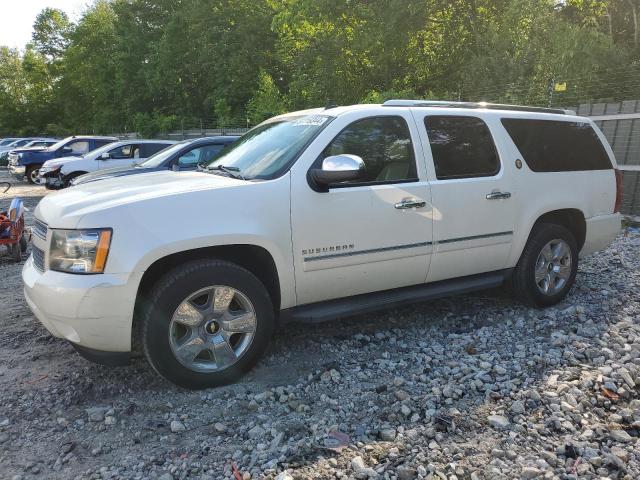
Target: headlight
[[49, 168], [79, 251]]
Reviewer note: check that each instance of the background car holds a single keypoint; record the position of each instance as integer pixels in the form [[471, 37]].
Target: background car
[[21, 142], [28, 162], [59, 172], [185, 155], [31, 145]]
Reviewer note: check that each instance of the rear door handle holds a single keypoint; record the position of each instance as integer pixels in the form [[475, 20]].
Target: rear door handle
[[410, 203], [498, 195]]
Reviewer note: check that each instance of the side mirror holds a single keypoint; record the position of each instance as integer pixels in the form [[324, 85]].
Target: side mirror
[[67, 150], [105, 156], [336, 169]]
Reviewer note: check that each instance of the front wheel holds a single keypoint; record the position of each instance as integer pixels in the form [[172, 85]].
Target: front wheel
[[205, 323], [32, 174], [548, 266]]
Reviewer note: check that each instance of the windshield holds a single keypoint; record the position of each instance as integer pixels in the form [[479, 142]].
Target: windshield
[[7, 141], [59, 144], [159, 158], [269, 149]]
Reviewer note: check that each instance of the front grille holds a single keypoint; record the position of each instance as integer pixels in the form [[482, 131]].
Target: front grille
[[40, 229], [38, 258]]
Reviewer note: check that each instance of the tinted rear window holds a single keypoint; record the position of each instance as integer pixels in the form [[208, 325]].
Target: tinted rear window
[[555, 146], [462, 147]]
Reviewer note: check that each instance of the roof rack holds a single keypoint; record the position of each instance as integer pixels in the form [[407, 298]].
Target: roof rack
[[485, 105]]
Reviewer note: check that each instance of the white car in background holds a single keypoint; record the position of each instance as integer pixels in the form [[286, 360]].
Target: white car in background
[[57, 173]]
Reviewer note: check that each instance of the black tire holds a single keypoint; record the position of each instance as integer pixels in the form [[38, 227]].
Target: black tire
[[523, 279], [23, 243], [66, 182], [32, 173], [177, 285]]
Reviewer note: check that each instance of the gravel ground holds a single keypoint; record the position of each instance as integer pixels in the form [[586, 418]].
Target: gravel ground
[[470, 387]]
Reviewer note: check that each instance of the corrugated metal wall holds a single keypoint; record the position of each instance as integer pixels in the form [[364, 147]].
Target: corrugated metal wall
[[620, 123]]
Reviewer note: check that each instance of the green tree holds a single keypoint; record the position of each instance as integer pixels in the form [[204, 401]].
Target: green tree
[[50, 33], [267, 101]]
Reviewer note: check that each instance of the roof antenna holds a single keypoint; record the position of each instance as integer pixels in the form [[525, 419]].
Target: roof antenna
[[329, 105]]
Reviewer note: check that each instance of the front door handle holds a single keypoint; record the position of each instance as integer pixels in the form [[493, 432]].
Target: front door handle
[[498, 195], [410, 203]]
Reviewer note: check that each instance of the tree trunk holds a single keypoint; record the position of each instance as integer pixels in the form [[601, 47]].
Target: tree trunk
[[610, 22], [634, 13]]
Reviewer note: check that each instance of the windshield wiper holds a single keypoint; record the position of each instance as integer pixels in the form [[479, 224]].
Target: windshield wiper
[[233, 172]]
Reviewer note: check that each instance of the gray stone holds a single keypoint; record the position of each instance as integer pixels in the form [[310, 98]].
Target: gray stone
[[621, 436], [498, 421], [177, 426]]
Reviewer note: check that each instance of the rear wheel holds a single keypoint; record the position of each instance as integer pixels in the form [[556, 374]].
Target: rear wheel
[[548, 266], [206, 323], [32, 174]]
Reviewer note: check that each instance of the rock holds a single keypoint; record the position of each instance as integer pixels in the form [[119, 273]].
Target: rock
[[284, 476], [621, 453], [621, 436], [406, 473], [401, 395], [96, 414], [517, 407], [626, 376], [498, 421], [256, 432], [388, 434], [530, 472], [165, 476], [177, 426], [360, 469]]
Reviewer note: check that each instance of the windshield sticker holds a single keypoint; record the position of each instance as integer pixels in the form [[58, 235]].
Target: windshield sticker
[[311, 120]]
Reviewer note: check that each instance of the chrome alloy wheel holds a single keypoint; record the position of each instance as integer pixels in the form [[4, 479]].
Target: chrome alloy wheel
[[34, 176], [553, 267], [212, 328]]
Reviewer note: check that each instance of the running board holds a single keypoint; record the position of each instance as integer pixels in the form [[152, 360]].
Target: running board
[[371, 302]]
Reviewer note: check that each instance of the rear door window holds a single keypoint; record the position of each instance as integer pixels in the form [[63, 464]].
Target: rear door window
[[123, 151], [556, 146], [462, 147]]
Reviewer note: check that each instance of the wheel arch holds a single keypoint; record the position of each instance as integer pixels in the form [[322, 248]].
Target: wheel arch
[[571, 218], [253, 258]]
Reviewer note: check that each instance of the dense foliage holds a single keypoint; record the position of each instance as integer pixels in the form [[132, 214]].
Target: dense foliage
[[159, 65]]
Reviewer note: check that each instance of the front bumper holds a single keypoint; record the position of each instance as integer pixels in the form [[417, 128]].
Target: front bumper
[[91, 311], [17, 171], [601, 231], [52, 182]]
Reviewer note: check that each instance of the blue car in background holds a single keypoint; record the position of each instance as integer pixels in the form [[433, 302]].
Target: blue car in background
[[26, 143], [185, 155], [27, 162]]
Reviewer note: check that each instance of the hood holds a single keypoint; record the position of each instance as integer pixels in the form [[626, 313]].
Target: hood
[[114, 172], [38, 154], [64, 208], [28, 149], [54, 162]]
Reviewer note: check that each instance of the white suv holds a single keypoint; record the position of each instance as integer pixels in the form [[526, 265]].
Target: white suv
[[315, 215]]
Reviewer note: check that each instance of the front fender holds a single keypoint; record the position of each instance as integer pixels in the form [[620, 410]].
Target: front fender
[[254, 213]]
